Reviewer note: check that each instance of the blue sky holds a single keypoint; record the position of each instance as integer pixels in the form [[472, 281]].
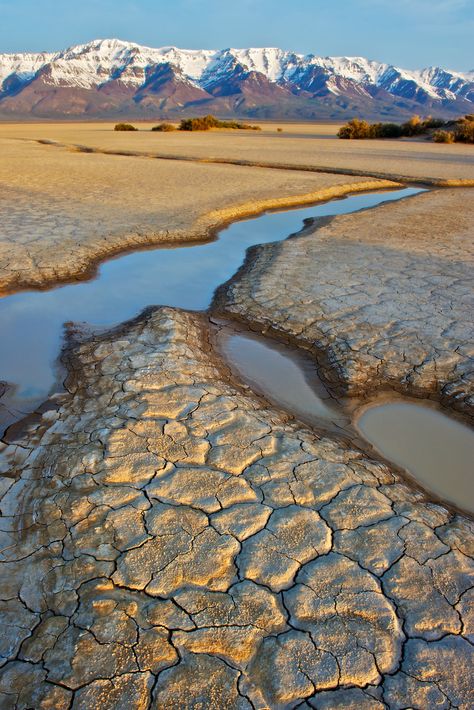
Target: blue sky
[[410, 33]]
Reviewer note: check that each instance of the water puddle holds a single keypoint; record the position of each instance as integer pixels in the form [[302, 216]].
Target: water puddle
[[31, 322], [437, 450], [285, 378]]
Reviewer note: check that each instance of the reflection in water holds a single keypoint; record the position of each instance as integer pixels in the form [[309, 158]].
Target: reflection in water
[[31, 323], [437, 450]]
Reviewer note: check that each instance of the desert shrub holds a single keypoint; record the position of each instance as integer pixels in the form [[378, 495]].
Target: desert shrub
[[237, 126], [386, 130], [413, 127], [125, 127], [164, 127], [464, 131], [204, 123], [430, 123], [355, 130], [443, 137]]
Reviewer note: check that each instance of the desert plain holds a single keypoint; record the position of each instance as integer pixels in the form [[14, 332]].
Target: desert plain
[[169, 537]]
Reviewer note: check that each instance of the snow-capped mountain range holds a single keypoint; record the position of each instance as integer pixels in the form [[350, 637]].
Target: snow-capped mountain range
[[116, 78]]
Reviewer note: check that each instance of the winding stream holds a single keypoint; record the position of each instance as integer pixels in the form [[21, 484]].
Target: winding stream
[[185, 276]]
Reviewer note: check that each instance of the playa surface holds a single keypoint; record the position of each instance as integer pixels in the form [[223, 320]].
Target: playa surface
[[169, 537], [313, 146]]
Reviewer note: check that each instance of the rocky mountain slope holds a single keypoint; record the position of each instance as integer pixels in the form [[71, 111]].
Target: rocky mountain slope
[[112, 78]]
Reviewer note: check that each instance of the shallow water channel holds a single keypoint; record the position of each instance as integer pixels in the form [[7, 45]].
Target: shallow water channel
[[185, 276]]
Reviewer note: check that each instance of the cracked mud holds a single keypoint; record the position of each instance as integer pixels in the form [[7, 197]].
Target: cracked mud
[[168, 540]]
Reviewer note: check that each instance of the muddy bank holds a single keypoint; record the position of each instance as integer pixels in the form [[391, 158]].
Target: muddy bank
[[416, 434], [382, 299], [169, 539]]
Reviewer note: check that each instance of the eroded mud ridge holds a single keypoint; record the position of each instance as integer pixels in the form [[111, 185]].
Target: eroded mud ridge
[[382, 298], [170, 542]]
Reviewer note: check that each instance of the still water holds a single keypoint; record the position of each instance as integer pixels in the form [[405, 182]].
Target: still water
[[436, 449]]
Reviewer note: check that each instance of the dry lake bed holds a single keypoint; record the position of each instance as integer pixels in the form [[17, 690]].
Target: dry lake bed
[[236, 405]]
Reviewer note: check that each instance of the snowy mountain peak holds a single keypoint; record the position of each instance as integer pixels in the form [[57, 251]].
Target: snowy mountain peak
[[102, 64]]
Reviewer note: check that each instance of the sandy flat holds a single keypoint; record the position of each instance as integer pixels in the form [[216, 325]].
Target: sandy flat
[[60, 211], [298, 144]]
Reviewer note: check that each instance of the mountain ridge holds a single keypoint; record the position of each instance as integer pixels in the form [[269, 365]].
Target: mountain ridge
[[112, 77]]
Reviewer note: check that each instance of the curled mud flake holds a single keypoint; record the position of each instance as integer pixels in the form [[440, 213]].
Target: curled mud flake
[[172, 531], [208, 563], [375, 547], [243, 604], [344, 610], [420, 603], [318, 482], [289, 668], [292, 536], [131, 469], [202, 488], [421, 542], [234, 644], [199, 681], [359, 505], [241, 520]]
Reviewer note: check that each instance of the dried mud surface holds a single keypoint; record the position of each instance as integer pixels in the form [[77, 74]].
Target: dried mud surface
[[62, 212], [382, 298], [304, 145], [169, 541]]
